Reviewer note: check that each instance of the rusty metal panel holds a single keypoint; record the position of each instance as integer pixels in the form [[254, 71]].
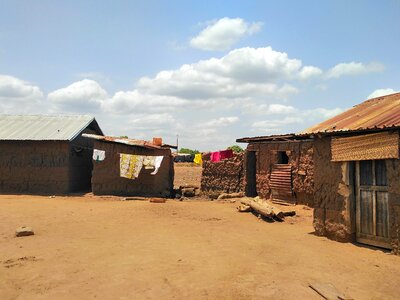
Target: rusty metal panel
[[281, 184], [382, 145], [378, 113], [126, 141]]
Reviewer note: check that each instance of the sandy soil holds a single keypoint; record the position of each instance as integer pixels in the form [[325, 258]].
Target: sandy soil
[[102, 248], [187, 174]]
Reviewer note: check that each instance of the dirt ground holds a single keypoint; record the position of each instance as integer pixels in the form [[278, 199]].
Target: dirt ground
[[187, 174], [103, 248]]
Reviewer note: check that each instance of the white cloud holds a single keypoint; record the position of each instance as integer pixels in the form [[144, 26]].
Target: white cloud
[[309, 71], [223, 33], [221, 122], [81, 96], [136, 102], [19, 96], [381, 92], [17, 89], [354, 68], [255, 108], [151, 121], [243, 72], [292, 118]]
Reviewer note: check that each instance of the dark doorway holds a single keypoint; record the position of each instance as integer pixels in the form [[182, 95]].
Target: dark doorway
[[283, 158], [251, 168]]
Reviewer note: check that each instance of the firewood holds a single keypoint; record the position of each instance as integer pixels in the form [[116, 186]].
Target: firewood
[[264, 209], [244, 208]]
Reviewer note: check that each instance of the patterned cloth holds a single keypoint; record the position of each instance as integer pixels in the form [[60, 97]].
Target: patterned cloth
[[130, 165]]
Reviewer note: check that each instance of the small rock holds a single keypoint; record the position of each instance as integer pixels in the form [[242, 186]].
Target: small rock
[[24, 231], [188, 192], [213, 195]]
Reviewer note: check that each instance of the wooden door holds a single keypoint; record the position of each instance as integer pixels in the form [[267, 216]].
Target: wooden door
[[372, 199]]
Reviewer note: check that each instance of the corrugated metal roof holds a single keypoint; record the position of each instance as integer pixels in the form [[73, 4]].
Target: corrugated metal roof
[[126, 141], [378, 113], [271, 138], [43, 127]]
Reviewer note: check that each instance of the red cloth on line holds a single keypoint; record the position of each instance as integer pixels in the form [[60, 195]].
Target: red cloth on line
[[219, 155], [226, 154]]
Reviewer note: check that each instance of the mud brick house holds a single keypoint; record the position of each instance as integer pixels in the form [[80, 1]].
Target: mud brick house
[[357, 174], [225, 176], [45, 154], [347, 168], [279, 167], [107, 180]]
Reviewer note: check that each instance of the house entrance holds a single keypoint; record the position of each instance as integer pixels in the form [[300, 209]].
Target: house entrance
[[372, 203], [251, 169]]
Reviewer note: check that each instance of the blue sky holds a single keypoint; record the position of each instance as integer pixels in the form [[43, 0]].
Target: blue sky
[[210, 71]]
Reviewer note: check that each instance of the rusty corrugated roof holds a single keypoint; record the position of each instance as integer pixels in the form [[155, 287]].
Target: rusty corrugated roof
[[271, 138], [126, 141], [377, 113]]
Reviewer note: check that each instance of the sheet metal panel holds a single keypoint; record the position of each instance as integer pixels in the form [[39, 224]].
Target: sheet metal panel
[[382, 145], [126, 141], [281, 184], [378, 113], [42, 127]]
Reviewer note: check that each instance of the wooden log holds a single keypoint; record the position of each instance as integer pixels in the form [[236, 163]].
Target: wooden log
[[244, 208], [264, 209]]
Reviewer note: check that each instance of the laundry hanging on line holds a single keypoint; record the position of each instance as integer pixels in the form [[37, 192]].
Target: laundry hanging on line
[[99, 155], [198, 159], [131, 165], [220, 155]]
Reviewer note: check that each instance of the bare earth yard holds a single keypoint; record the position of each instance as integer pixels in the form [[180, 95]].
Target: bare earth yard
[[93, 247]]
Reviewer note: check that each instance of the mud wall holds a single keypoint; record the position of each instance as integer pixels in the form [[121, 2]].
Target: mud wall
[[334, 199], [225, 176], [106, 179], [34, 167], [300, 154], [393, 173]]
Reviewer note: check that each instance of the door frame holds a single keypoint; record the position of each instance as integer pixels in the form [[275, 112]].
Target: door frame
[[363, 238]]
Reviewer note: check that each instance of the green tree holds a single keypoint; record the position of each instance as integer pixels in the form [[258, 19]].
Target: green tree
[[188, 151], [236, 148]]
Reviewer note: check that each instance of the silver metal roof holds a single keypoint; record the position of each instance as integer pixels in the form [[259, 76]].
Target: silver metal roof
[[43, 127]]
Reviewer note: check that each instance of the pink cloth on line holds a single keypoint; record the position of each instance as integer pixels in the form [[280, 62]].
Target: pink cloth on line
[[215, 156]]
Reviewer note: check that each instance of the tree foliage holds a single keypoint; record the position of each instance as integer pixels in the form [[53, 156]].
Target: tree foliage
[[236, 148], [188, 151]]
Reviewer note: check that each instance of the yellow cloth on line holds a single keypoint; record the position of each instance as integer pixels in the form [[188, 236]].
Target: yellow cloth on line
[[130, 165], [197, 159]]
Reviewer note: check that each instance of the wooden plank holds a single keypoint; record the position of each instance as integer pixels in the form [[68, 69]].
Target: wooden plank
[[382, 210], [327, 291]]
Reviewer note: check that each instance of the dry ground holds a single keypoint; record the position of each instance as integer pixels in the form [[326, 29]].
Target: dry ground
[[187, 174], [103, 248]]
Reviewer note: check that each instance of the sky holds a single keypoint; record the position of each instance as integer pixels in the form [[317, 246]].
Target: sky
[[207, 71]]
